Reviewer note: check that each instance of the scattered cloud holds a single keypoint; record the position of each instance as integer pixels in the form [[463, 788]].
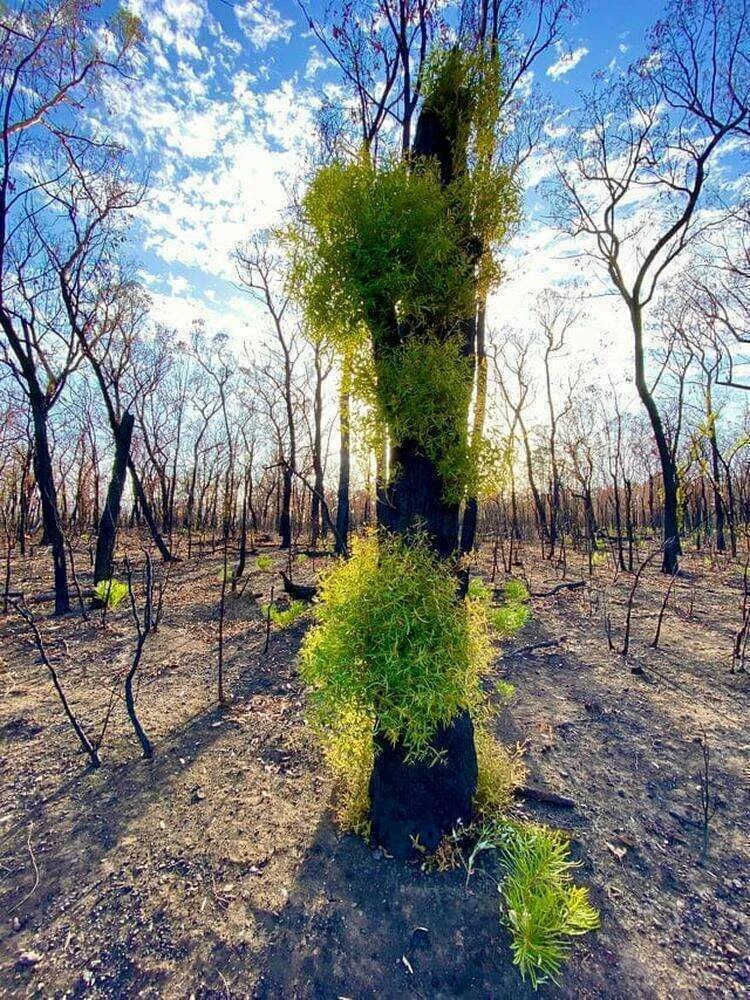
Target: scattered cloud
[[262, 23], [315, 63], [566, 61]]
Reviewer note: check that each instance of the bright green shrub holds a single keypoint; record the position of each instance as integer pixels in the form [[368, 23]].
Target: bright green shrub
[[264, 562], [479, 591], [380, 246], [508, 619], [111, 592], [543, 908], [514, 612], [393, 644], [500, 771], [515, 592], [283, 616]]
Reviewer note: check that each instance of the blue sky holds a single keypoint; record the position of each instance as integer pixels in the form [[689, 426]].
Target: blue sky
[[221, 113]]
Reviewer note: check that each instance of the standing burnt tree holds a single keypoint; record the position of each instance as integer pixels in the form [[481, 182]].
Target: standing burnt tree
[[50, 66], [396, 258], [635, 175]]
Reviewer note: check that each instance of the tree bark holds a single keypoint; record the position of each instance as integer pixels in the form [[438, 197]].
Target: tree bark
[[48, 495], [105, 543], [414, 804], [721, 544], [285, 517], [342, 506], [143, 506], [671, 530]]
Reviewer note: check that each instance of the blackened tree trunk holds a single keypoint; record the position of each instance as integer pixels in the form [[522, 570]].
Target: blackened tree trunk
[[40, 405], [285, 515], [48, 495], [671, 529], [417, 803], [242, 552], [342, 506], [143, 506], [105, 543], [721, 544]]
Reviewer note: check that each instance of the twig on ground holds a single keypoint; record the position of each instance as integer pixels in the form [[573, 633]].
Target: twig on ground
[[574, 585], [547, 644], [35, 886]]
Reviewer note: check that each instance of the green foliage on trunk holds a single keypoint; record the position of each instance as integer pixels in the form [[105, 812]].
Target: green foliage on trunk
[[392, 644], [394, 651], [391, 262], [378, 247]]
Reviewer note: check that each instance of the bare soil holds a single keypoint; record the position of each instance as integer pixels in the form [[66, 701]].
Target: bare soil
[[215, 870]]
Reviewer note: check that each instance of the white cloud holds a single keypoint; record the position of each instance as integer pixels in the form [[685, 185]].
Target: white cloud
[[220, 143], [315, 63], [173, 23], [566, 61], [262, 23], [177, 284]]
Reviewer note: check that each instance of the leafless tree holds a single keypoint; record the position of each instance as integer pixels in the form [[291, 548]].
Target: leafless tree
[[261, 271], [649, 137], [50, 70]]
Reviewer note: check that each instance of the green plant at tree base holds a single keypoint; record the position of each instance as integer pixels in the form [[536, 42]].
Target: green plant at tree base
[[264, 562], [111, 592], [283, 617]]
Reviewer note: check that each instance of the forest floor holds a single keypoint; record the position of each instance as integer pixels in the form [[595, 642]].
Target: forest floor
[[215, 870]]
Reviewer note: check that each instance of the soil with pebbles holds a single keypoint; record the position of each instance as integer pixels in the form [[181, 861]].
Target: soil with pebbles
[[215, 870]]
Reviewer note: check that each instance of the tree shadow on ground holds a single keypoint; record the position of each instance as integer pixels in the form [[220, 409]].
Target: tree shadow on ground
[[358, 925], [95, 809], [354, 924]]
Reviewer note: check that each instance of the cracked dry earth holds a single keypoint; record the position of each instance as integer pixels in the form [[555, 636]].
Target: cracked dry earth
[[215, 870]]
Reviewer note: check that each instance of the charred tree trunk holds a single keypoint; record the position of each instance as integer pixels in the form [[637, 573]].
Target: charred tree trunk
[[53, 535], [142, 506], [342, 506], [420, 802], [721, 544], [670, 527], [285, 516], [105, 543], [242, 553], [423, 800]]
